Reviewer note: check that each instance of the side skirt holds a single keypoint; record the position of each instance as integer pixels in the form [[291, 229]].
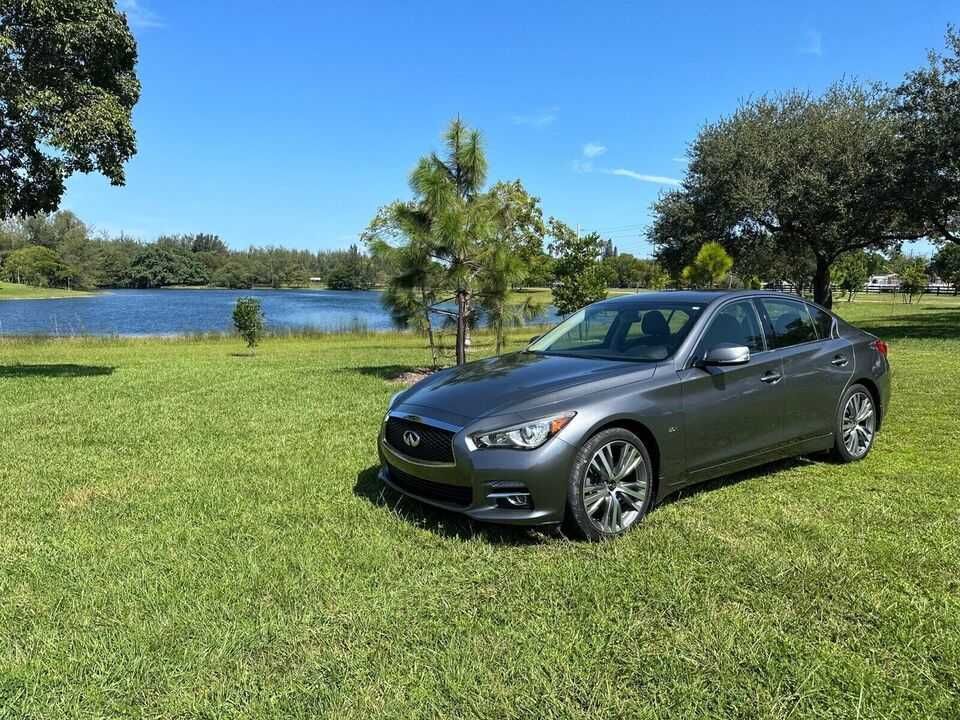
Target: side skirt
[[800, 447]]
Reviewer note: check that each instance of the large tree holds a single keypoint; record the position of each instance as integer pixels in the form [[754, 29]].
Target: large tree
[[928, 111], [811, 177], [67, 90]]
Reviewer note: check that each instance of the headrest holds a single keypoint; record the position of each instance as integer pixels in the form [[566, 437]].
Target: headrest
[[787, 322], [654, 324], [725, 328]]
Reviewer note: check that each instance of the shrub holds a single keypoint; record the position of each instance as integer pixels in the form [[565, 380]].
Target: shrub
[[249, 321]]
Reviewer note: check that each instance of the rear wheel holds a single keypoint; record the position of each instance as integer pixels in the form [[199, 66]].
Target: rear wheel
[[610, 486], [856, 425]]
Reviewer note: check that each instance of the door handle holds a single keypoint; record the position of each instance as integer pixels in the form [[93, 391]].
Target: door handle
[[771, 378], [839, 360]]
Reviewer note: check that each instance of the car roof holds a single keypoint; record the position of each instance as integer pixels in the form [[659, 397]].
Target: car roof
[[704, 297]]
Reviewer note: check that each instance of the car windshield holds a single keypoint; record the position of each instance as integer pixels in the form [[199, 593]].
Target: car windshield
[[629, 331]]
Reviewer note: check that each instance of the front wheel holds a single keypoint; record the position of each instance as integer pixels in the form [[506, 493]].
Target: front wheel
[[610, 487], [855, 425]]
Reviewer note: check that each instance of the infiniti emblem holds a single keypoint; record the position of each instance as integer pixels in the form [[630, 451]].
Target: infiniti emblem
[[411, 438]]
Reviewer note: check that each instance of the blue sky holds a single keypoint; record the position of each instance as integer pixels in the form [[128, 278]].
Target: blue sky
[[290, 123]]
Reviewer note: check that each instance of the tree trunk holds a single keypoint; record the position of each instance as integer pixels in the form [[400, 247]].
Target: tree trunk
[[433, 344], [461, 327], [822, 294]]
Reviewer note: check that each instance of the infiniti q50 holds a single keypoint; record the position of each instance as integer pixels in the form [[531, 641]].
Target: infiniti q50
[[630, 399]]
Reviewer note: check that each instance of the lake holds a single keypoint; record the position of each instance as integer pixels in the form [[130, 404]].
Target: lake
[[179, 312]]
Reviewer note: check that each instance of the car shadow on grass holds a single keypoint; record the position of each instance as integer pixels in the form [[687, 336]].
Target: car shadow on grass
[[444, 523], [64, 370]]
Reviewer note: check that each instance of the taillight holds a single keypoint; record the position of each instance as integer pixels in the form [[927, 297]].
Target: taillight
[[880, 346]]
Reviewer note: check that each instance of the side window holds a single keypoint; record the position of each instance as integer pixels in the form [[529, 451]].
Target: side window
[[790, 321], [823, 320], [735, 324]]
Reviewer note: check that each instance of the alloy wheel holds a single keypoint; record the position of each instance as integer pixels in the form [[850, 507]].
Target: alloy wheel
[[615, 486], [858, 424]]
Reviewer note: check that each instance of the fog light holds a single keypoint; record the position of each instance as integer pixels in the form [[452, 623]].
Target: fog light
[[513, 500]]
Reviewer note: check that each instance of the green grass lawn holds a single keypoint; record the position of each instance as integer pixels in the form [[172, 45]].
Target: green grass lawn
[[189, 532], [14, 291]]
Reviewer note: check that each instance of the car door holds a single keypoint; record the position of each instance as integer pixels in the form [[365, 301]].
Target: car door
[[733, 411], [817, 364]]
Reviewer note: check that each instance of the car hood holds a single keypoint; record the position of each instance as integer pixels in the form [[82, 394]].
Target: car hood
[[510, 382]]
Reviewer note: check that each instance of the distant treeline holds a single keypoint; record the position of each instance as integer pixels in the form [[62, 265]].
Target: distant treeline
[[59, 250]]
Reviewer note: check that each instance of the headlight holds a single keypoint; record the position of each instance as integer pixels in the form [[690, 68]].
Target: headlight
[[526, 436]]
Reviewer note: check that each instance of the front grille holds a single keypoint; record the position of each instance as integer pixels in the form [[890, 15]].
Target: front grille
[[436, 444], [450, 494]]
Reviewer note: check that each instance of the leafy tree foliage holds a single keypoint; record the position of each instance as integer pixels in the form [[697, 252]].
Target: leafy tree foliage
[[249, 321], [913, 279], [580, 277], [709, 268], [520, 227], [626, 271], [157, 266], [851, 272], [92, 260], [809, 177], [236, 273], [351, 271], [928, 112], [34, 265], [67, 89], [946, 264]]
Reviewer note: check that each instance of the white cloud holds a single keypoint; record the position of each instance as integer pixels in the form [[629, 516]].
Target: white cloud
[[812, 44], [681, 160], [539, 119], [643, 177], [138, 15], [592, 150]]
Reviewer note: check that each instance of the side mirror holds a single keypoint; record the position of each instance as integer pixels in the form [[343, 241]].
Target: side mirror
[[534, 339], [727, 354]]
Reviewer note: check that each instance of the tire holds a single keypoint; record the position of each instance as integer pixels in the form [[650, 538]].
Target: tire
[[855, 425], [601, 505]]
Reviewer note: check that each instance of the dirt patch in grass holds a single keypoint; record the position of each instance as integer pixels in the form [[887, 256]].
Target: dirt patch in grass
[[410, 377], [83, 496]]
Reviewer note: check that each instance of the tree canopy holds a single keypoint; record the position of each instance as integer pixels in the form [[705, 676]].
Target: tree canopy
[[927, 109], [67, 90], [809, 178]]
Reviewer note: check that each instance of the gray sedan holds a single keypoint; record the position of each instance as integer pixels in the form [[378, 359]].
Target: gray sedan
[[631, 399]]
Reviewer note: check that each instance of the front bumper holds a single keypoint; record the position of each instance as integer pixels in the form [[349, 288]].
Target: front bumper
[[485, 476]]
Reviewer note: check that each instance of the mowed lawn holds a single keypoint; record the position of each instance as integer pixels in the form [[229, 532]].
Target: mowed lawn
[[15, 291], [185, 532]]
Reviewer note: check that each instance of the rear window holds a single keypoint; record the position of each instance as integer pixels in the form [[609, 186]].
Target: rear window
[[823, 320], [791, 323]]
